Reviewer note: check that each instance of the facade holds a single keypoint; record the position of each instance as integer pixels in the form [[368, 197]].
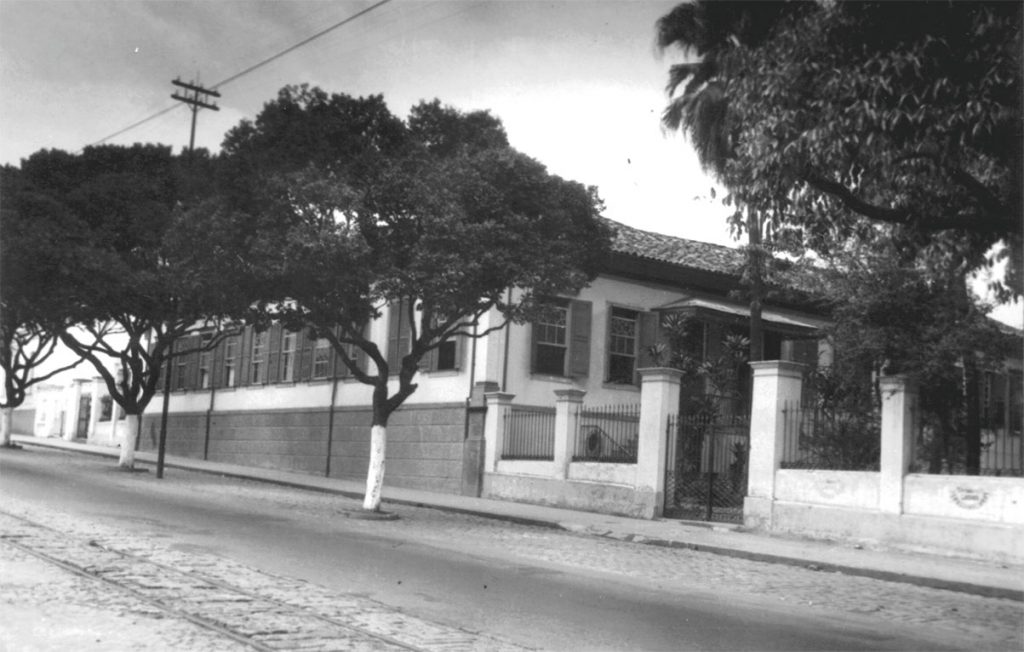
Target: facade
[[280, 399]]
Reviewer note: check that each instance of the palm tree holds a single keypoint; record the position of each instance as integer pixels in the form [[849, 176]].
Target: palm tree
[[699, 101]]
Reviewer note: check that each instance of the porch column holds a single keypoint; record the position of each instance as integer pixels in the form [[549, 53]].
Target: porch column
[[899, 402], [498, 405], [568, 403], [659, 398], [776, 384]]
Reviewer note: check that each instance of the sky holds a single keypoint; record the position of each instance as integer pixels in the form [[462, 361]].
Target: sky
[[578, 84]]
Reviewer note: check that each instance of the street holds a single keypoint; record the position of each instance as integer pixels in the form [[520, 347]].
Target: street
[[212, 563]]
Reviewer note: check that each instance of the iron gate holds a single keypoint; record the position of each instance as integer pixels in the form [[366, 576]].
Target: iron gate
[[706, 467]]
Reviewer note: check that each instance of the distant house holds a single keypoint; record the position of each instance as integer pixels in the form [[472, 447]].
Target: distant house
[[281, 399]]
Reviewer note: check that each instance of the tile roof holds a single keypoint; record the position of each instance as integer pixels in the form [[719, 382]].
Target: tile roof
[[677, 251]]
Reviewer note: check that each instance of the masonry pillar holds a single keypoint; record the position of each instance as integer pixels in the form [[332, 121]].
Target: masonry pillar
[[568, 403], [659, 398], [776, 383], [75, 405], [95, 409], [899, 402], [498, 405]]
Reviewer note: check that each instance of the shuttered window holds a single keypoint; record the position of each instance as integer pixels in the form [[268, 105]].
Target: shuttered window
[[258, 361], [322, 358], [205, 360], [561, 340], [288, 350], [623, 334], [230, 361]]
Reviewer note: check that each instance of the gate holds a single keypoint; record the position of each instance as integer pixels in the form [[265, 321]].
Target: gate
[[706, 467]]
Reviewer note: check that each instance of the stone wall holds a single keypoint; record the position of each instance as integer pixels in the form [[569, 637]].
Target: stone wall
[[425, 442]]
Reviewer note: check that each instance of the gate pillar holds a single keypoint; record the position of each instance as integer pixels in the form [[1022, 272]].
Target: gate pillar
[[659, 397], [776, 382]]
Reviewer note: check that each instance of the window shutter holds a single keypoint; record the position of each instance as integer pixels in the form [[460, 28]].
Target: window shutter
[[399, 332], [648, 337], [161, 374], [533, 346], [273, 372], [579, 344], [217, 364], [244, 357], [192, 363], [305, 367]]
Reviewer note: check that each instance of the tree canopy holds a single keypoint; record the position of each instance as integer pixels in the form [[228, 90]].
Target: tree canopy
[[838, 118], [138, 268], [354, 209]]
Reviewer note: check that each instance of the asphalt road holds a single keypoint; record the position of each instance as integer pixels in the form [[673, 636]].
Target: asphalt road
[[474, 582]]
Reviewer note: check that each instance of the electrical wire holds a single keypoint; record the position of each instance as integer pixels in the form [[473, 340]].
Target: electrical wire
[[251, 68]]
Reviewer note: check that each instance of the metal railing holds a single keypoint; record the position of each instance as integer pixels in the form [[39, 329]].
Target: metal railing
[[818, 438], [608, 434], [529, 434]]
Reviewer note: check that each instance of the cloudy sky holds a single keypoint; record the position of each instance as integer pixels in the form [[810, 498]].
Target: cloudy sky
[[578, 84]]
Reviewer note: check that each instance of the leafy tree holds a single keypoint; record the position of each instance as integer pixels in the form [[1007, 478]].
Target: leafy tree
[[142, 269], [356, 209], [833, 119], [29, 266], [889, 317]]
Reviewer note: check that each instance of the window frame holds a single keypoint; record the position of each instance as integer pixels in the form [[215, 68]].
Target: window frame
[[326, 362], [288, 356], [610, 352]]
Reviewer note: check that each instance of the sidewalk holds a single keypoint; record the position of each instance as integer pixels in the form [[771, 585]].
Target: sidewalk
[[935, 571]]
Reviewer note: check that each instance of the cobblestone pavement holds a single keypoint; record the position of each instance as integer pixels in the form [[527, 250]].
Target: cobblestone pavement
[[961, 619], [987, 623], [89, 587]]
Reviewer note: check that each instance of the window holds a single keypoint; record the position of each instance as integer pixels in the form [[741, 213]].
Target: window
[[180, 372], [561, 340], [230, 361], [622, 345], [322, 358], [106, 408], [288, 356], [257, 368], [399, 335], [447, 357], [550, 335], [205, 360]]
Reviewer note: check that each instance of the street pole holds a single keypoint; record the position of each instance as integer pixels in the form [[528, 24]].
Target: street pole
[[194, 103]]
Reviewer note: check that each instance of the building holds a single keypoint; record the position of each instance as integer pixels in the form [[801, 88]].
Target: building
[[282, 400]]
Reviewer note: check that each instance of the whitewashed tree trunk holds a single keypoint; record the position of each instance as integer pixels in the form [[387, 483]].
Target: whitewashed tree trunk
[[131, 431], [375, 472], [6, 424]]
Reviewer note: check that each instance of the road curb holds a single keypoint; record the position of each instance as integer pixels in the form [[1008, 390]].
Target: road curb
[[617, 535]]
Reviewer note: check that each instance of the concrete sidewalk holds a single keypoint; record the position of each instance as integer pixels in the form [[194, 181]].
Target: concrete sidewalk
[[936, 571]]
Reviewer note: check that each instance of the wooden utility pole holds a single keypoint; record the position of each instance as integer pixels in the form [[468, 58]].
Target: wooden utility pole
[[199, 98], [194, 103]]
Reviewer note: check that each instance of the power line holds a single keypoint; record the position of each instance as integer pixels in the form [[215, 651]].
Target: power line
[[251, 68]]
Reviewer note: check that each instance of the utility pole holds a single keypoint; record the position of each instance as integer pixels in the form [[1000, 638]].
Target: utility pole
[[194, 103], [199, 98]]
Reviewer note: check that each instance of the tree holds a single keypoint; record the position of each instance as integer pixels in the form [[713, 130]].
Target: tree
[[357, 210], [29, 263], [834, 119], [141, 270], [891, 316]]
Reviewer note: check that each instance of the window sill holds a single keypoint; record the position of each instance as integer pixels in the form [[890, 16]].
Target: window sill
[[441, 373], [562, 380], [627, 387]]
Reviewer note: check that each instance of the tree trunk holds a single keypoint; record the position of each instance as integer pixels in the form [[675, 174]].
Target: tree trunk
[[131, 431], [375, 472], [6, 424]]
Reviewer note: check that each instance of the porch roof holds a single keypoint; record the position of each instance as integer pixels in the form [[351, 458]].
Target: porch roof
[[787, 319]]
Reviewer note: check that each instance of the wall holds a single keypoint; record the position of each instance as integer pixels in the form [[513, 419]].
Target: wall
[[425, 442], [23, 421]]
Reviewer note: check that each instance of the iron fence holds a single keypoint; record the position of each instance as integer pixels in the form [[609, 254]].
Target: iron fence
[[706, 474], [608, 434], [825, 439], [529, 434]]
